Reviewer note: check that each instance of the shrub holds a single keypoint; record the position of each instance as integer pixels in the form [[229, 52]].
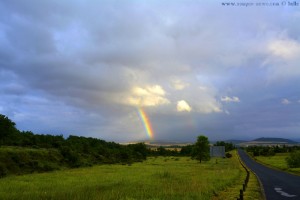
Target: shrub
[[293, 160], [228, 155]]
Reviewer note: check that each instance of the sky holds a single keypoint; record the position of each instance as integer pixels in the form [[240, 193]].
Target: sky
[[191, 67]]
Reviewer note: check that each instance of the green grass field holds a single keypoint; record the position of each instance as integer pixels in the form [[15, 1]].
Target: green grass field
[[156, 178], [278, 161]]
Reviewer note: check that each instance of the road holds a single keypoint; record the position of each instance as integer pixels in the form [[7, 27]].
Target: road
[[277, 185]]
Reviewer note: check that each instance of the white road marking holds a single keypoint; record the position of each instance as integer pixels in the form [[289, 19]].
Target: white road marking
[[279, 190]]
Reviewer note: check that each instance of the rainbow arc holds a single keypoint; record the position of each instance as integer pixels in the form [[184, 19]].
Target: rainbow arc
[[146, 122]]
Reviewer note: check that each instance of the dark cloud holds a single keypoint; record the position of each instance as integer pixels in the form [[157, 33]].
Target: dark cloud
[[73, 67]]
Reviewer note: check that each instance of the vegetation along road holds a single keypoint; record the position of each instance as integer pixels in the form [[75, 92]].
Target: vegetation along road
[[277, 185]]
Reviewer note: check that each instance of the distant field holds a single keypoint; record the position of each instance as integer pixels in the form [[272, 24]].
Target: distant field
[[278, 161], [167, 148], [157, 178]]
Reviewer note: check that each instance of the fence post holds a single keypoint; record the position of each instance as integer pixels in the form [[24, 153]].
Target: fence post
[[241, 195], [247, 178]]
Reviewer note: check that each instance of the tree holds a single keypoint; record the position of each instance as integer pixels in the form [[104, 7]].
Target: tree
[[201, 149], [8, 131], [186, 150], [228, 146]]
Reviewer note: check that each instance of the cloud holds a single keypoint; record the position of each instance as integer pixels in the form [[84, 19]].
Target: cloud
[[230, 99], [209, 107], [178, 84], [168, 57], [283, 57], [183, 106], [148, 96], [287, 49], [285, 101]]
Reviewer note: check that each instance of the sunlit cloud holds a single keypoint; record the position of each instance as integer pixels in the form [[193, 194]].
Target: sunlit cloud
[[147, 96], [183, 106]]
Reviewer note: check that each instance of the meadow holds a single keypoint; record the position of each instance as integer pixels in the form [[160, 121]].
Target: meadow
[[155, 178], [278, 161]]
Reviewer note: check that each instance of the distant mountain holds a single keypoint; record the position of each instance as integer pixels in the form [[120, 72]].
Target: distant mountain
[[298, 139], [281, 140], [269, 142]]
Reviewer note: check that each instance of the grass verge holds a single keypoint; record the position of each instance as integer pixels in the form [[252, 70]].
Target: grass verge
[[253, 190], [277, 162]]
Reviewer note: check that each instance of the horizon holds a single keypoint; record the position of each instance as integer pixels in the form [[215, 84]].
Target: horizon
[[137, 70], [212, 141]]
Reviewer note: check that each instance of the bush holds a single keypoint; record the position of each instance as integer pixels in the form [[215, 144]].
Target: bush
[[228, 155], [293, 160]]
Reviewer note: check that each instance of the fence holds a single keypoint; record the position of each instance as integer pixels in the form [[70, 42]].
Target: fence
[[241, 197]]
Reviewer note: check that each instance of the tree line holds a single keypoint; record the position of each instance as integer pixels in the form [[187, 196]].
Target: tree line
[[293, 159], [76, 151]]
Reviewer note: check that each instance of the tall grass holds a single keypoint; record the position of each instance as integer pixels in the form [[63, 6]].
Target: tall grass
[[253, 191], [157, 178]]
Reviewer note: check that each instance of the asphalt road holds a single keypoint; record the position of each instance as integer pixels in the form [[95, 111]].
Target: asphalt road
[[277, 185]]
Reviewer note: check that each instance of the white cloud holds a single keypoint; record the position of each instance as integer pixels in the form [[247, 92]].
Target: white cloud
[[199, 95], [283, 57], [147, 96], [156, 89], [230, 99], [285, 48], [285, 101], [183, 106]]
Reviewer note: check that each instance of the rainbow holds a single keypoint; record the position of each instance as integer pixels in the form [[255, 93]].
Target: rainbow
[[146, 122]]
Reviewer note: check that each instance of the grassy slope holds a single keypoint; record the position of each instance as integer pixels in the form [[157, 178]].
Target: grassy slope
[[278, 161]]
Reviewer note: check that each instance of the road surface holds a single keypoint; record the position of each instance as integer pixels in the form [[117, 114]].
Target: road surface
[[277, 185]]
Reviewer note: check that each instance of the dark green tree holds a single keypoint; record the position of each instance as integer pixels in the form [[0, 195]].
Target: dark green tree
[[8, 131], [228, 146], [201, 149], [162, 151], [139, 150], [186, 150]]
